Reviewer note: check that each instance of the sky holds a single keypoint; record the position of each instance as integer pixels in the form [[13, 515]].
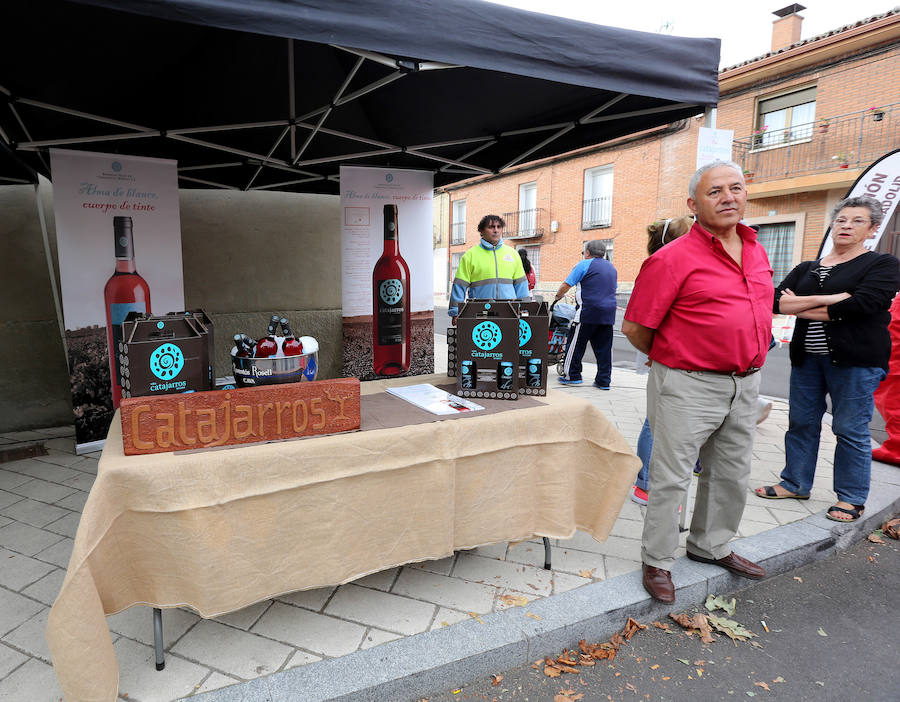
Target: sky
[[744, 28]]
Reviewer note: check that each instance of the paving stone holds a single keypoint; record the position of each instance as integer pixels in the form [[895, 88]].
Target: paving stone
[[26, 539], [492, 551], [749, 528], [43, 491], [61, 459], [785, 516], [33, 682], [15, 610], [380, 609], [10, 659], [506, 599], [215, 681], [308, 599], [576, 562], [379, 581], [232, 650], [447, 617], [82, 481], [759, 512], [450, 592], [62, 443], [62, 431], [10, 479], [58, 554], [301, 658], [4, 521], [8, 498], [87, 465], [563, 582], [318, 633], [17, 571], [246, 617], [375, 637], [32, 512], [620, 566], [620, 547], [140, 681], [27, 435], [29, 636], [43, 470], [47, 588], [523, 578], [583, 542], [137, 623], [74, 502], [65, 526], [442, 566]]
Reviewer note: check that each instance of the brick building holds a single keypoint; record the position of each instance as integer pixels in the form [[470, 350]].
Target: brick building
[[807, 118]]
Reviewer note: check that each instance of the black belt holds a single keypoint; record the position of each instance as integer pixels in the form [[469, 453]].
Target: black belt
[[742, 374]]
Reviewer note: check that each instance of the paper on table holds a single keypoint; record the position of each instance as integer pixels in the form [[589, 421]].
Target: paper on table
[[433, 399]]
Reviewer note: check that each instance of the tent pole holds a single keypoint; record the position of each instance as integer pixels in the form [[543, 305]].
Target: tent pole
[[709, 117], [292, 106], [39, 203]]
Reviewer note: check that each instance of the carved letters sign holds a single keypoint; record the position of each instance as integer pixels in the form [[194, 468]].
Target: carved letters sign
[[247, 415]]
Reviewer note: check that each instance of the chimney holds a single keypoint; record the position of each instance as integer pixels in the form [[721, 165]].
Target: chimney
[[786, 29]]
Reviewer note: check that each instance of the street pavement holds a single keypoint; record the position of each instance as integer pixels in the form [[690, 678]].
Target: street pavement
[[832, 635], [405, 633]]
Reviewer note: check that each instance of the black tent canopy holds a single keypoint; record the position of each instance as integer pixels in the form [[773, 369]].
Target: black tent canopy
[[277, 94]]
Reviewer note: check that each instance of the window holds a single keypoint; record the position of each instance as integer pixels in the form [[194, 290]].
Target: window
[[458, 227], [454, 264], [598, 191], [534, 255], [527, 209], [778, 241], [785, 118]]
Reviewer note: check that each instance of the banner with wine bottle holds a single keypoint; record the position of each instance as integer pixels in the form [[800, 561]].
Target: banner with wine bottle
[[386, 272], [118, 233]]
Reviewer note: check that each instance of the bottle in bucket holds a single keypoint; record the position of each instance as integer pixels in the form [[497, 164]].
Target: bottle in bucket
[[267, 346], [390, 304], [241, 348], [291, 345]]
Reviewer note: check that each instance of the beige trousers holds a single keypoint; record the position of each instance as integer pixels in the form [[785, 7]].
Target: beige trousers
[[695, 413]]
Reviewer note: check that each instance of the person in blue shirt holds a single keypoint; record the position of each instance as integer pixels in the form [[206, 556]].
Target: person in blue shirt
[[595, 313]]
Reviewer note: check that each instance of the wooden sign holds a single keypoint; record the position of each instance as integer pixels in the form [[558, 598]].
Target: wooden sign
[[241, 416]]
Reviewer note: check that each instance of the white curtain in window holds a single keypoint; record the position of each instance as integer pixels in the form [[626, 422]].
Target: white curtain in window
[[778, 241]]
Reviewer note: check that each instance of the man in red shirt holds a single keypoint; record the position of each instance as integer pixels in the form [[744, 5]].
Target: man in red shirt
[[701, 309]]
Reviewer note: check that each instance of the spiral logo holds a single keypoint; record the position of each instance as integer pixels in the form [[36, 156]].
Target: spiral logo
[[486, 336], [524, 332], [166, 361], [391, 291]]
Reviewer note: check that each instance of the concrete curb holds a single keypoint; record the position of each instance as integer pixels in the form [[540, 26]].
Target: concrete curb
[[435, 661]]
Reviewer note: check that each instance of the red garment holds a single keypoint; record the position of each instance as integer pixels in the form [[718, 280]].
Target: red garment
[[708, 312], [532, 279], [887, 396]]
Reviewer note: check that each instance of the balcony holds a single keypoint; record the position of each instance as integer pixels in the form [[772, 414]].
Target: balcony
[[853, 140], [524, 224], [458, 233], [596, 212]]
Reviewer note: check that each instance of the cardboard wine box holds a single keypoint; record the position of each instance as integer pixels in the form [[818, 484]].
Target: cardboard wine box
[[165, 354], [487, 350], [534, 336]]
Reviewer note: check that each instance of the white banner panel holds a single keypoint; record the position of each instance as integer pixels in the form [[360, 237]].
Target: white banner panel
[[714, 144], [118, 235], [364, 194]]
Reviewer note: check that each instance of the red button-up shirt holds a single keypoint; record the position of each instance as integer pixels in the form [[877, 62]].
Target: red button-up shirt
[[709, 313]]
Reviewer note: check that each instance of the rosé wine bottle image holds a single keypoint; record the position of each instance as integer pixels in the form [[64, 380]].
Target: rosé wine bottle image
[[390, 304]]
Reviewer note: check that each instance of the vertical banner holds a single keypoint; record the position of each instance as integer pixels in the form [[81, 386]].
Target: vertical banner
[[386, 272], [714, 144], [118, 234]]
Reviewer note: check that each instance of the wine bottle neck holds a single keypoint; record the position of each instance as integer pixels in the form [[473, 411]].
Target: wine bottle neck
[[391, 246], [125, 266]]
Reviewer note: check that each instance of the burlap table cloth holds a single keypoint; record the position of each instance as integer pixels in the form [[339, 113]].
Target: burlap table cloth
[[220, 530]]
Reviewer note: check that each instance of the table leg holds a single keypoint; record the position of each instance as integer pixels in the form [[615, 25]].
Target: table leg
[[546, 553], [158, 638]]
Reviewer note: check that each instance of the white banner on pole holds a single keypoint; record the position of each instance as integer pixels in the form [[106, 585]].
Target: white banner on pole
[[714, 144], [118, 235]]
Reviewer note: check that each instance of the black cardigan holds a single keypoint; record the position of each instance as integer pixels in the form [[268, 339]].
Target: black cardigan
[[857, 334]]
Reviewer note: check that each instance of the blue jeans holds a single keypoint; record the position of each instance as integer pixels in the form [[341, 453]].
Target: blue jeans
[[851, 389], [601, 337], [644, 450]]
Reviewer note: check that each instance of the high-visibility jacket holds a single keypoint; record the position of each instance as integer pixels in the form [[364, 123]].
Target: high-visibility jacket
[[488, 272]]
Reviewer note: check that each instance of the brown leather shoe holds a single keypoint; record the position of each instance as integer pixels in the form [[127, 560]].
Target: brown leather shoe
[[658, 583], [735, 563]]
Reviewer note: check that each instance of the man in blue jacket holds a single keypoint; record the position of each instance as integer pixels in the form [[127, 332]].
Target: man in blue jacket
[[489, 271], [595, 313]]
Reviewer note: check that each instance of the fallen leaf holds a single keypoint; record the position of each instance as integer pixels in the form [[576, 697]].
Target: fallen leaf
[[732, 629], [798, 578], [475, 616], [821, 632], [683, 660], [762, 685], [699, 672], [666, 677], [532, 615], [779, 679], [756, 644], [567, 668], [819, 682], [654, 667], [660, 625], [496, 678], [514, 600], [875, 537], [629, 686], [444, 624], [587, 573], [552, 671], [682, 619], [632, 627], [714, 602], [751, 694], [891, 528], [701, 624]]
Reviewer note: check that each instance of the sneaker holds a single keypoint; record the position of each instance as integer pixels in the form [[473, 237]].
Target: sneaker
[[764, 413], [602, 387], [566, 381], [638, 495]]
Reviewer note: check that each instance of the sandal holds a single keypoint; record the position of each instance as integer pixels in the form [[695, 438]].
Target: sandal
[[772, 495], [855, 513]]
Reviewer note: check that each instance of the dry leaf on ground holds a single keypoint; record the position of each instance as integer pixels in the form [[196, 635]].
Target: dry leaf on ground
[[875, 537], [514, 600], [734, 630], [891, 528], [762, 685], [714, 602], [660, 625], [587, 573], [496, 679]]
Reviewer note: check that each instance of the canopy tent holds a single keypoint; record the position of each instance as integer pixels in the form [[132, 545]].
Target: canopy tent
[[276, 94]]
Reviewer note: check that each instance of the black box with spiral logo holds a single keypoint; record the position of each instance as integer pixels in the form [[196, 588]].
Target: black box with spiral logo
[[165, 354], [534, 346], [487, 350]]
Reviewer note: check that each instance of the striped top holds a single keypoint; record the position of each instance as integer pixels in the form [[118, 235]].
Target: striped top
[[816, 342]]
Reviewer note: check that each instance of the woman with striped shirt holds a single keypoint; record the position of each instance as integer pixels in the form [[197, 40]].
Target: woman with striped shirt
[[841, 349]]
